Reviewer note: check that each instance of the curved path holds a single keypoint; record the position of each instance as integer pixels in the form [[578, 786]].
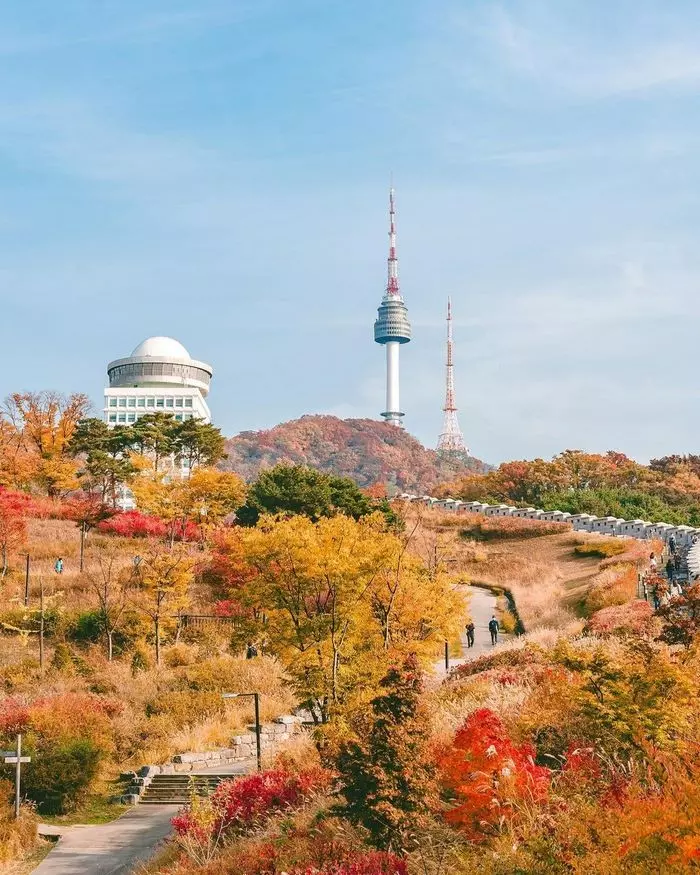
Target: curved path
[[482, 606]]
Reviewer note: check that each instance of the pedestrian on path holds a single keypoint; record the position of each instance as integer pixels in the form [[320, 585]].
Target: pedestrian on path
[[676, 590], [493, 629], [470, 634], [58, 566], [670, 569], [672, 544], [653, 564], [251, 651]]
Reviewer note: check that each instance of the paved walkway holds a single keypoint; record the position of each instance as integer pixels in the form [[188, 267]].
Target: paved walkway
[[111, 848], [115, 848], [482, 605]]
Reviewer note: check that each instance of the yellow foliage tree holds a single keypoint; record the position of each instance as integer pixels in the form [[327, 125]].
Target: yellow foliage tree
[[207, 495], [164, 580], [35, 433], [320, 586]]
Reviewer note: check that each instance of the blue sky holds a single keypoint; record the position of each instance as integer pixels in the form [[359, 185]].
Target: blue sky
[[218, 171]]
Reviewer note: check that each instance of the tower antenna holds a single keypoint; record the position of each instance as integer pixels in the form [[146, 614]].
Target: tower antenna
[[451, 441]]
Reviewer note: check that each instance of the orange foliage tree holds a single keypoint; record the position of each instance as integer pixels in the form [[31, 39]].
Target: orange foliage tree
[[35, 433], [487, 775]]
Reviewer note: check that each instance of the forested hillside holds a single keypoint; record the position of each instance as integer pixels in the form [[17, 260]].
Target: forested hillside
[[667, 489], [365, 450]]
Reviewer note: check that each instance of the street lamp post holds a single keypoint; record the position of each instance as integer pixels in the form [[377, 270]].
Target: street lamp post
[[256, 699]]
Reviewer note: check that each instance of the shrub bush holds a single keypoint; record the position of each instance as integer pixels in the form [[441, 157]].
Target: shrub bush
[[134, 524], [505, 528], [238, 806], [60, 773], [16, 836], [601, 549]]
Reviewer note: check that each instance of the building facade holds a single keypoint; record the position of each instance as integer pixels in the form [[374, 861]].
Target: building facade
[[159, 376]]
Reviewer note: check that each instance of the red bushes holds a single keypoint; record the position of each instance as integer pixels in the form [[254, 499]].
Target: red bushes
[[242, 804], [633, 617], [134, 524], [374, 863], [486, 773]]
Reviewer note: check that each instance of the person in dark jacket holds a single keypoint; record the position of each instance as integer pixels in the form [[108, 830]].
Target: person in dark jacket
[[470, 634], [493, 629], [672, 545], [670, 569], [251, 651]]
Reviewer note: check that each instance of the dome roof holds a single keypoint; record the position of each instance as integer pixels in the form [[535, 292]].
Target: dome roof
[[163, 347]]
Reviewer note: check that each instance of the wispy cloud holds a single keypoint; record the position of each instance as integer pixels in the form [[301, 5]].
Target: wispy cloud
[[540, 44]]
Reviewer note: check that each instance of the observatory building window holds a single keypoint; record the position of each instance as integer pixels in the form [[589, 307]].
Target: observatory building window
[[142, 402], [132, 417], [188, 402], [178, 416], [112, 417], [168, 402], [132, 402], [122, 417], [122, 402], [151, 402], [178, 402], [160, 402], [112, 402]]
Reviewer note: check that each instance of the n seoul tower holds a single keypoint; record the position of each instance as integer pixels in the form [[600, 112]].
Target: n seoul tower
[[391, 327]]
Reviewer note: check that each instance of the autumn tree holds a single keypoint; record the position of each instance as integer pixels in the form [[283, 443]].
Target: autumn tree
[[44, 424], [681, 618], [387, 778], [13, 525], [206, 496], [318, 585], [164, 580], [111, 583]]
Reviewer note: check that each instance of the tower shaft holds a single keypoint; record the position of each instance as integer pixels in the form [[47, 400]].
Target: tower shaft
[[451, 439]]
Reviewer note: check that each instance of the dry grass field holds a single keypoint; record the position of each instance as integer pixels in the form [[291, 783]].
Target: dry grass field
[[549, 580]]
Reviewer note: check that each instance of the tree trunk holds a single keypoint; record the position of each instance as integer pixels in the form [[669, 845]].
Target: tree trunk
[[156, 623], [4, 560], [110, 648]]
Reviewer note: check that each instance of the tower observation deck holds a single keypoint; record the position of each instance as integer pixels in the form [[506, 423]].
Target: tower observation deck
[[391, 327]]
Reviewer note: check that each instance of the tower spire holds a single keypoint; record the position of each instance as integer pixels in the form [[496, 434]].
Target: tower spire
[[392, 285], [451, 440]]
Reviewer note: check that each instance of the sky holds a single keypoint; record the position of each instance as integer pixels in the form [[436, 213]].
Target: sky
[[217, 171]]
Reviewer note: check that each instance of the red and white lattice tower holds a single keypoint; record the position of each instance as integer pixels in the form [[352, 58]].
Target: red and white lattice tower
[[451, 440]]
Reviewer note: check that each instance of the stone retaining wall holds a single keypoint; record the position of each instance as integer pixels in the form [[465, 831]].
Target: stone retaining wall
[[243, 747]]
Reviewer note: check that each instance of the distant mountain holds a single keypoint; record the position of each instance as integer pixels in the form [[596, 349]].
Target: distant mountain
[[365, 450]]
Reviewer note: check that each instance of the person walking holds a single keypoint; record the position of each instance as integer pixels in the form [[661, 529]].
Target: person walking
[[670, 569], [493, 629], [58, 566], [251, 651], [653, 564], [676, 589], [470, 634], [672, 544]]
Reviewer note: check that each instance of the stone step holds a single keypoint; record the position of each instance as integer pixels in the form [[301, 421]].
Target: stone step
[[177, 789]]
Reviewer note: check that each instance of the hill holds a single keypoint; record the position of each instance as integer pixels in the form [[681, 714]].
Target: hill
[[365, 450]]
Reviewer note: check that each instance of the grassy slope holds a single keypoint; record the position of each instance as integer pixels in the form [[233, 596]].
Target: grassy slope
[[548, 580]]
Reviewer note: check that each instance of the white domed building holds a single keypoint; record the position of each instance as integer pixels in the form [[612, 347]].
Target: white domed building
[[159, 376]]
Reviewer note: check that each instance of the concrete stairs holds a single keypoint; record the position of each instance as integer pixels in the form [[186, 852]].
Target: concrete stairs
[[177, 789]]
